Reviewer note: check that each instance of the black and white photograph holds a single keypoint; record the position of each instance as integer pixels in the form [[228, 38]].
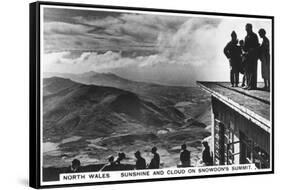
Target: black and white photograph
[[138, 94]]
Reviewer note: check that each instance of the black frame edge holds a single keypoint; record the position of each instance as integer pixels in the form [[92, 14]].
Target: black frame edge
[[34, 133], [272, 97]]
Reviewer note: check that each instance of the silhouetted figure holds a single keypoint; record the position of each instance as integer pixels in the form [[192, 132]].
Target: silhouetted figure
[[251, 48], [233, 52], [206, 155], [140, 163], [75, 166], [184, 156], [155, 161], [111, 166], [243, 68], [121, 156], [265, 58]]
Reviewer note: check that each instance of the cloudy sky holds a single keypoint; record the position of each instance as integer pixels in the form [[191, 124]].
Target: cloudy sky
[[161, 48]]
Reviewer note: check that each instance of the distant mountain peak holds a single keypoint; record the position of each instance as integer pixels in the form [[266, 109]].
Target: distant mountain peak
[[90, 73], [57, 79]]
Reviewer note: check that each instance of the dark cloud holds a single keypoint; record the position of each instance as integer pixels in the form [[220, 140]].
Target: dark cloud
[[104, 30], [70, 15]]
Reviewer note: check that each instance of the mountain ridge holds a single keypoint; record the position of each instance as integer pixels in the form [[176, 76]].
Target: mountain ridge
[[79, 76], [72, 100], [90, 122]]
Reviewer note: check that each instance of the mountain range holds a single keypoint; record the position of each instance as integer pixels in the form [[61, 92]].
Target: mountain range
[[163, 95], [92, 115], [71, 109]]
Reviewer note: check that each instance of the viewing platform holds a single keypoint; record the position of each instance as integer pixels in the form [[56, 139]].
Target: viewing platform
[[252, 104], [241, 124]]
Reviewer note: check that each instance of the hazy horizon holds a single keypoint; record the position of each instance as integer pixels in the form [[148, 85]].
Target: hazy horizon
[[59, 74]]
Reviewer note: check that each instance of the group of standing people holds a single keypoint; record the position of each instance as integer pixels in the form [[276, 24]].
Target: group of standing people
[[243, 58], [154, 163], [207, 159], [116, 164]]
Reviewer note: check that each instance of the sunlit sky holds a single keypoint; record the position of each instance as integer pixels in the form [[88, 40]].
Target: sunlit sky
[[161, 48]]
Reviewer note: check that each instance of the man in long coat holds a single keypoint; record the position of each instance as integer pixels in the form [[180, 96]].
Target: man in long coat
[[233, 52], [265, 59], [251, 48]]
